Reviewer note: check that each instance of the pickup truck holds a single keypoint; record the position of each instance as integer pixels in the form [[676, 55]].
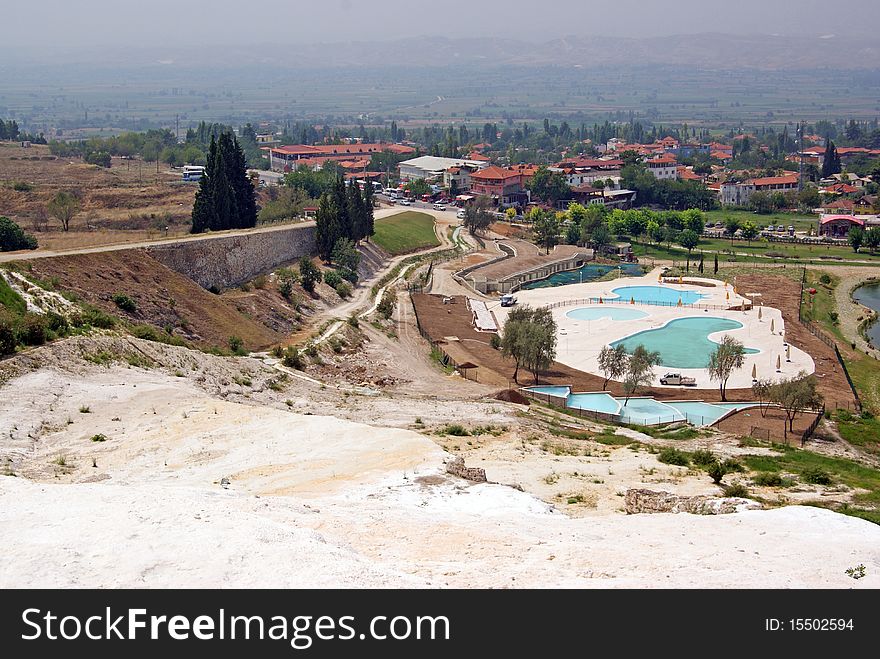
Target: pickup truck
[[677, 378]]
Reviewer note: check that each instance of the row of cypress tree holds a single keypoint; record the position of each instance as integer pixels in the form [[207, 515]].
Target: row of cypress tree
[[343, 212], [226, 198]]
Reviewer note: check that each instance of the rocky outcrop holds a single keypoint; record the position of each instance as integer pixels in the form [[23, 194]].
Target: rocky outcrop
[[648, 501], [456, 467]]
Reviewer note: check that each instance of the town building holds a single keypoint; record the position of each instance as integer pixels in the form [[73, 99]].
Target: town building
[[286, 158], [432, 167], [663, 167], [497, 182], [739, 194], [838, 226]]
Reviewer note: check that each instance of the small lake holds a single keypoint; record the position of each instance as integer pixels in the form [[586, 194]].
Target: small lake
[[869, 296]]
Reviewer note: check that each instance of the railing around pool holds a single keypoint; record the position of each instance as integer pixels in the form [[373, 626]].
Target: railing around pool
[[655, 303]]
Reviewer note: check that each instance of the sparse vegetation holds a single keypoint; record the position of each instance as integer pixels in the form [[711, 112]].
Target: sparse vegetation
[[124, 302], [100, 437], [672, 456]]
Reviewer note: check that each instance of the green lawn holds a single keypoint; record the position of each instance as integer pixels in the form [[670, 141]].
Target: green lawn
[[759, 250], [405, 232], [800, 221]]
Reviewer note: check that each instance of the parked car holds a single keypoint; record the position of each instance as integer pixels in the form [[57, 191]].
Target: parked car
[[460, 214], [439, 207], [679, 379], [771, 227], [405, 202], [507, 300]]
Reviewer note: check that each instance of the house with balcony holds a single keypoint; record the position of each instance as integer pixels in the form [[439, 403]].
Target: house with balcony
[[496, 182]]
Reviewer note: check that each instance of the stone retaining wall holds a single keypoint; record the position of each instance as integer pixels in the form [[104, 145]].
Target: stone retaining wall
[[227, 261]]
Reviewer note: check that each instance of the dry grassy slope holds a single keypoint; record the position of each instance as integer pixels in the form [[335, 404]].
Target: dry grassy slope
[[122, 197], [163, 297]]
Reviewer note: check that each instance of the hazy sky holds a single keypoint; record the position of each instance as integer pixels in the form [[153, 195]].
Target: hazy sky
[[198, 22]]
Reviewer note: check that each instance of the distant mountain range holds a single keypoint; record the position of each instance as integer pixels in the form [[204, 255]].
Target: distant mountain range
[[704, 51]]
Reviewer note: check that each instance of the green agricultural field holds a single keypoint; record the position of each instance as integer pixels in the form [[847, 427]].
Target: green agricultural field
[[405, 232]]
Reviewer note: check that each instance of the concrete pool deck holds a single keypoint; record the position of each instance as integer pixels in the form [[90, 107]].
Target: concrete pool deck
[[579, 341]]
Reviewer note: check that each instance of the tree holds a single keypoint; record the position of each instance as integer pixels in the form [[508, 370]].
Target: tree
[[540, 341], [613, 363], [688, 239], [309, 274], [872, 238], [724, 360], [13, 237], [761, 202], [546, 229], [63, 206], [796, 395], [639, 370], [346, 255], [749, 231], [529, 338], [831, 161], [693, 219], [761, 391], [327, 229], [809, 197], [418, 187], [226, 197], [716, 263], [478, 215], [731, 226], [600, 238], [549, 186], [856, 237]]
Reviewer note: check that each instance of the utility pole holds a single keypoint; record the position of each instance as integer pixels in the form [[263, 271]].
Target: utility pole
[[800, 136]]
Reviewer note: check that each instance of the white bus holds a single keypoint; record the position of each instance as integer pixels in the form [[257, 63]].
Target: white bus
[[193, 172]]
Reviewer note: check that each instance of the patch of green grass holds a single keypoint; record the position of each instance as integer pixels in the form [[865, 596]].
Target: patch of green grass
[[101, 358], [863, 432], [405, 232], [11, 300]]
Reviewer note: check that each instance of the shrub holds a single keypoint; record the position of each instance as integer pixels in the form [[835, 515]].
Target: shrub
[[455, 429], [236, 345], [816, 476], [825, 278], [57, 323], [737, 490], [100, 437], [21, 186], [353, 321], [7, 334], [97, 318], [731, 466], [260, 282], [32, 330], [278, 352], [13, 237], [348, 275], [716, 472], [768, 479], [332, 278], [309, 274], [286, 288], [672, 456], [834, 317], [124, 302], [703, 457], [495, 341], [343, 289], [293, 359], [386, 304]]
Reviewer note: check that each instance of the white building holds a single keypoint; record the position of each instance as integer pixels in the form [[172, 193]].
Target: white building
[[433, 166], [739, 194], [663, 167]]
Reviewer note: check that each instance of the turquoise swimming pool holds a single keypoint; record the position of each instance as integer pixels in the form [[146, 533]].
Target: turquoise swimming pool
[[614, 313], [657, 295], [644, 411], [647, 412], [683, 342], [598, 402], [589, 272]]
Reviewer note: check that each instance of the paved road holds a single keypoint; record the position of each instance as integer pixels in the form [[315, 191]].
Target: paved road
[[40, 253]]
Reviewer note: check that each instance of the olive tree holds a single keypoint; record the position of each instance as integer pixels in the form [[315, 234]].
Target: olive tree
[[613, 363], [726, 358]]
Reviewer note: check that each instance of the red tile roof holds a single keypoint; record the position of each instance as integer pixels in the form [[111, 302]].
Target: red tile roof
[[341, 149], [721, 155], [666, 159], [476, 155], [686, 174], [774, 180], [494, 173], [833, 218]]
